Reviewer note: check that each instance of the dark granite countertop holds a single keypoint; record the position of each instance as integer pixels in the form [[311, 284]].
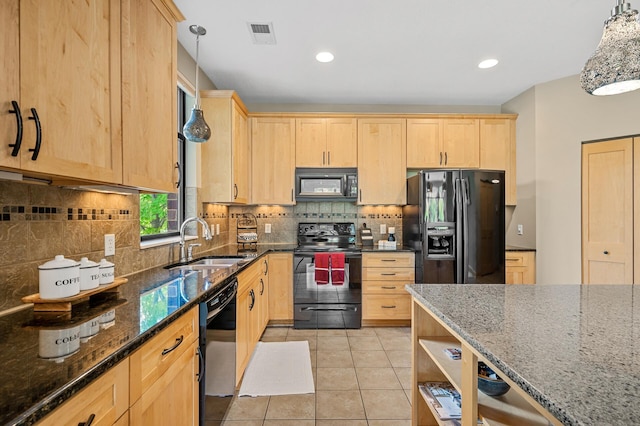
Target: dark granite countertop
[[574, 348], [31, 387]]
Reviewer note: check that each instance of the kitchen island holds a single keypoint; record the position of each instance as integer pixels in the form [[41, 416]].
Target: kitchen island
[[569, 352]]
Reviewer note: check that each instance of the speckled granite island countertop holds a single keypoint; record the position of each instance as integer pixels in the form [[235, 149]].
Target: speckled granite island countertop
[[575, 349], [32, 386]]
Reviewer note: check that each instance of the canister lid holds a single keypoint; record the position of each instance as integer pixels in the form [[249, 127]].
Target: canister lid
[[86, 263], [104, 263], [59, 262]]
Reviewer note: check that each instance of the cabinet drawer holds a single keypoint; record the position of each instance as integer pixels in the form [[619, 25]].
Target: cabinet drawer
[[389, 274], [149, 363], [517, 258], [375, 306], [384, 287], [249, 276], [384, 260], [107, 398]]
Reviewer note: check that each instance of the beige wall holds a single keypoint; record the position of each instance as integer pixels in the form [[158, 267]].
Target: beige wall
[[564, 116], [187, 66]]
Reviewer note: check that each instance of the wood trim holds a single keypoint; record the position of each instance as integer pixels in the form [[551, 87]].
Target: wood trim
[[186, 84], [636, 210], [379, 115], [225, 94]]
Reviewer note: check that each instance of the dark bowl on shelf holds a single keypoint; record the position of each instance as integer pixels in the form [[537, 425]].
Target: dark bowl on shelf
[[489, 382]]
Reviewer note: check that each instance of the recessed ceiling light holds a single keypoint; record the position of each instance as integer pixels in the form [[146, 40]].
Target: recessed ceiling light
[[488, 63], [324, 57]]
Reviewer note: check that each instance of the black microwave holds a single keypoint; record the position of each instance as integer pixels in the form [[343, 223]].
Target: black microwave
[[314, 184]]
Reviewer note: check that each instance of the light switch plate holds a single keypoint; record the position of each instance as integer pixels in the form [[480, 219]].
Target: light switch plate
[[520, 229], [217, 229], [383, 228], [267, 228], [109, 244]]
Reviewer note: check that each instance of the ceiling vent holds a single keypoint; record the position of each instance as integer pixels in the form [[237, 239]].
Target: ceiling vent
[[262, 32]]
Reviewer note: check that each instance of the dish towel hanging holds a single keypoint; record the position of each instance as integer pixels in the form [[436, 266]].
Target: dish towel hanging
[[337, 268], [322, 268]]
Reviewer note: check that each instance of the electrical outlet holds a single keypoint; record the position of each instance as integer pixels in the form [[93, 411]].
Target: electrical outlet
[[217, 229], [109, 244], [520, 229], [383, 228], [267, 228]]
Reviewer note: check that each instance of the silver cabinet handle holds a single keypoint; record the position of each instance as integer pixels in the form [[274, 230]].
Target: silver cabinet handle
[[389, 287], [388, 273], [388, 260], [323, 155], [388, 306], [441, 158], [329, 158], [445, 159]]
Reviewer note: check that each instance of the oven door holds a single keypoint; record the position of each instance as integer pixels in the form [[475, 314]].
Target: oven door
[[327, 305]]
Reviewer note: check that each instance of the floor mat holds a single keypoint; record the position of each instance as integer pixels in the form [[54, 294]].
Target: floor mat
[[278, 368]]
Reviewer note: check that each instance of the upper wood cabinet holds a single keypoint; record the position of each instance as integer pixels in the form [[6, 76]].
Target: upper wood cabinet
[[442, 142], [227, 156], [498, 151], [326, 142], [382, 161], [273, 160], [149, 95], [63, 73]]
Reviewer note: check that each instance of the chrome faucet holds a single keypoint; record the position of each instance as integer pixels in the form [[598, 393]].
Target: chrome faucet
[[207, 236]]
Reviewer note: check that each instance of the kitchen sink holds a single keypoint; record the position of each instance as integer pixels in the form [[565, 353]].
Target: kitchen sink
[[209, 263]]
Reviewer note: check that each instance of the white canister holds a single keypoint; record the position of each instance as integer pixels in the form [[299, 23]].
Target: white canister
[[59, 278], [107, 319], [89, 329], [89, 274], [57, 344], [107, 272]]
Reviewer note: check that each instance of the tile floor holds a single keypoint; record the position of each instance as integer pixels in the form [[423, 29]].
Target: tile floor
[[362, 378]]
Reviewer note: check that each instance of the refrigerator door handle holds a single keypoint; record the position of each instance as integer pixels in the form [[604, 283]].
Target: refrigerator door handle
[[465, 231], [459, 270]]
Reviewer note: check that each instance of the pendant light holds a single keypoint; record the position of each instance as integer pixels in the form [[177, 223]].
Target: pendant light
[[196, 129], [615, 66]]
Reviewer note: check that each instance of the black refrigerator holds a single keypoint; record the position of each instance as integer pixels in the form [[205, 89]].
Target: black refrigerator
[[454, 220]]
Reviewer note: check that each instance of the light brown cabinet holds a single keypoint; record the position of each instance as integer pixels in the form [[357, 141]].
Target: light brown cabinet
[[281, 288], [442, 142], [164, 373], [61, 66], [382, 161], [252, 311], [520, 267], [225, 164], [498, 151], [149, 96], [326, 142], [384, 276], [106, 398], [273, 160]]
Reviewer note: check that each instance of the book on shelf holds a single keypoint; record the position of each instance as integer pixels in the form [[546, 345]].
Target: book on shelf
[[453, 353], [444, 399]]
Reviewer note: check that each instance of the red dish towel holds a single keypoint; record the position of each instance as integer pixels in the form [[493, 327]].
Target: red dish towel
[[322, 268], [337, 268]]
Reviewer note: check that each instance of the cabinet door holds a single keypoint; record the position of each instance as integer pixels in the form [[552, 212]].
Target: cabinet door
[[607, 212], [10, 77], [173, 398], [497, 151], [107, 398], [273, 160], [245, 307], [263, 295], [281, 287], [70, 77], [149, 95], [342, 142], [382, 161], [460, 143], [311, 142], [424, 143], [241, 155]]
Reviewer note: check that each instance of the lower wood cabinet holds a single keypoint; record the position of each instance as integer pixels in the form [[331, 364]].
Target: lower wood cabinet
[[281, 288], [107, 398], [520, 267], [384, 276]]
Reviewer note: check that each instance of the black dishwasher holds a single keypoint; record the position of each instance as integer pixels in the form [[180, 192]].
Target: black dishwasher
[[218, 349]]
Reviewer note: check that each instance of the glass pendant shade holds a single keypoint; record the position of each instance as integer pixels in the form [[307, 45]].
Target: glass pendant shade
[[196, 129], [615, 66]]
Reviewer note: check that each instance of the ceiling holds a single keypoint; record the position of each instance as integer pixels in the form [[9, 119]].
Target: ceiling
[[401, 52]]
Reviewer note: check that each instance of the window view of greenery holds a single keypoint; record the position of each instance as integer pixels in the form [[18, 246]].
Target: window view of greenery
[[153, 214]]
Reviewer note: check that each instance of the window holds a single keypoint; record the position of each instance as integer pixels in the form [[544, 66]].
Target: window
[[162, 213]]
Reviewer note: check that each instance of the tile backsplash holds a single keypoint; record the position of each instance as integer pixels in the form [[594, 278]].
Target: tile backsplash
[[38, 222]]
